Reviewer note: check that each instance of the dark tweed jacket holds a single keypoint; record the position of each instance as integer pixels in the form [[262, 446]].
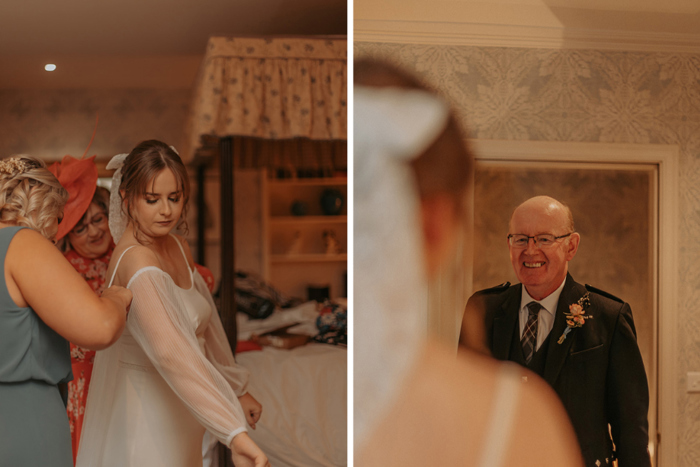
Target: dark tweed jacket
[[597, 371]]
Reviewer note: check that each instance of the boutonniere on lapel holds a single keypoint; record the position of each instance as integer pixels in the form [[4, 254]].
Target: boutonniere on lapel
[[576, 318]]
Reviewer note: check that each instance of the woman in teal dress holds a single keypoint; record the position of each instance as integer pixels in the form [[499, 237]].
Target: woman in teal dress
[[43, 302]]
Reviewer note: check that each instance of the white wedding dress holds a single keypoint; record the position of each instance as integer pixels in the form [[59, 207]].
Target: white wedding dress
[[169, 376]]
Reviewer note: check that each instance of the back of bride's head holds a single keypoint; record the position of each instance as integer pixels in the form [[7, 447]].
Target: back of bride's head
[[30, 195], [411, 170], [446, 165], [402, 125]]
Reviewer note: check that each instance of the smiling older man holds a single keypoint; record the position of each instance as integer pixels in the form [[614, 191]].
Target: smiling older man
[[581, 340]]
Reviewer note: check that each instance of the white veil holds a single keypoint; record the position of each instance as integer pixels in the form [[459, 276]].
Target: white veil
[[391, 127], [117, 218]]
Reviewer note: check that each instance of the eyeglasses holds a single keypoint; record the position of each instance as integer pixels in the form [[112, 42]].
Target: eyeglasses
[[96, 221], [541, 241]]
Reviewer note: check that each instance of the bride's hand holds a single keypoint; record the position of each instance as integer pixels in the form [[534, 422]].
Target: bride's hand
[[251, 408], [245, 453]]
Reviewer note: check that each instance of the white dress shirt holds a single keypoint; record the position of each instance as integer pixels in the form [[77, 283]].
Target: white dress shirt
[[545, 320]]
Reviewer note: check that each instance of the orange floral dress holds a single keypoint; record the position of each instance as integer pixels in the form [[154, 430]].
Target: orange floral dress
[[93, 271], [207, 275]]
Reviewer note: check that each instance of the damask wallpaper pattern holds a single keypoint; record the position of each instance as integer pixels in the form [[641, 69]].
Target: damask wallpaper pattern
[[591, 96], [52, 123]]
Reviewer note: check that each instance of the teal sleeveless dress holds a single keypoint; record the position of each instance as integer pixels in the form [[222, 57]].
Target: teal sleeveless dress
[[34, 428]]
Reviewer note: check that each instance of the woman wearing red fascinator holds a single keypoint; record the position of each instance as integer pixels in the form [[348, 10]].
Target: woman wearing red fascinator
[[84, 238]]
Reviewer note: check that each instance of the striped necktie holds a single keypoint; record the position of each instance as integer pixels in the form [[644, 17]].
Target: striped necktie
[[529, 339]]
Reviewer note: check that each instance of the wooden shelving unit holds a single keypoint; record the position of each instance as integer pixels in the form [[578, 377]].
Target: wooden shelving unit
[[294, 249]]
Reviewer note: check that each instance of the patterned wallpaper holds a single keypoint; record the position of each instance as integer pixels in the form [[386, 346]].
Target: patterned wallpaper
[[591, 96], [52, 123]]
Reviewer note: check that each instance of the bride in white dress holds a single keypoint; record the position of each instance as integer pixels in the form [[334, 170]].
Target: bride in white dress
[[172, 374]]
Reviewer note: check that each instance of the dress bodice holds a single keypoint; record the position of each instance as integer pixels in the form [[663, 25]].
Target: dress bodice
[[29, 349], [193, 303], [198, 308], [171, 372]]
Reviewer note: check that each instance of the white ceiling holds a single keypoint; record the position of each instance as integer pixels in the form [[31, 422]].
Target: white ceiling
[[670, 6], [159, 43], [139, 43], [621, 24]]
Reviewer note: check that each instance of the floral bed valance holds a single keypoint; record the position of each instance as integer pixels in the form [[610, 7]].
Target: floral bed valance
[[275, 88]]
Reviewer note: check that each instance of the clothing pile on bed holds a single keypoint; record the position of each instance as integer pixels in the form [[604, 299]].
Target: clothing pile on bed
[[332, 324], [263, 309], [258, 299]]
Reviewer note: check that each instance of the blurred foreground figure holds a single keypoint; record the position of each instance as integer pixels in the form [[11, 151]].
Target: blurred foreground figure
[[416, 402]]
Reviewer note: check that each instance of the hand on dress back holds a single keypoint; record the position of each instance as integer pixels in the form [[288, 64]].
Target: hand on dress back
[[120, 295]]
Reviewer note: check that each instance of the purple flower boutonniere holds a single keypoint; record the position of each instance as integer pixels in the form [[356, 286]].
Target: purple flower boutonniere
[[576, 318]]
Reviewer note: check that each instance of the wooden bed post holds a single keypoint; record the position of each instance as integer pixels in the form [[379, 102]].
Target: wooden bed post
[[228, 270], [201, 212]]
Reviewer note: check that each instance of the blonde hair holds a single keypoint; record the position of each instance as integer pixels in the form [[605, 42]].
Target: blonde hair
[[30, 195]]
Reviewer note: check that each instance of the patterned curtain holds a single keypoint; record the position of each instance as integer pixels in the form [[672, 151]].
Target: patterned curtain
[[272, 88], [286, 158]]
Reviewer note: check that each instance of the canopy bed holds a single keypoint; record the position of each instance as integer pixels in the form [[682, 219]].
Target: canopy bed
[[270, 113]]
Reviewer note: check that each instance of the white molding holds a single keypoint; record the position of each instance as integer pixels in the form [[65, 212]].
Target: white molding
[[665, 157], [499, 35]]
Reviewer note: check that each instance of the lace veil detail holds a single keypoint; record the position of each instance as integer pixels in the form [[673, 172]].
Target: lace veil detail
[[117, 217], [392, 126]]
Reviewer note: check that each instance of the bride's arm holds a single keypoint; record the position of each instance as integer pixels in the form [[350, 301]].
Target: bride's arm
[[162, 326], [218, 351]]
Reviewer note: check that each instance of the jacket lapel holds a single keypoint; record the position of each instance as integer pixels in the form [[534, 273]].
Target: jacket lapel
[[556, 354], [504, 323]]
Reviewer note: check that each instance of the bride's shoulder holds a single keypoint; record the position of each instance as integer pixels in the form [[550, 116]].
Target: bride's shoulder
[[182, 241], [132, 259], [185, 247]]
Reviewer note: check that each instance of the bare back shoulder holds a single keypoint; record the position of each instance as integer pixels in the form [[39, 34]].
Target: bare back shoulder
[[437, 415], [128, 259], [554, 434], [442, 414]]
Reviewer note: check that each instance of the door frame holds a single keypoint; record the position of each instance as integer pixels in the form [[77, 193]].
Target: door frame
[[665, 157]]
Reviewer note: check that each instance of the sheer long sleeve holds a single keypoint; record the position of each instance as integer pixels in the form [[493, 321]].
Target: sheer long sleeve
[[218, 349], [187, 349], [164, 330]]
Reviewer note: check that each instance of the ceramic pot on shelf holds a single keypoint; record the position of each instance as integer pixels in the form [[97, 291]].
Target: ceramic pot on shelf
[[332, 202]]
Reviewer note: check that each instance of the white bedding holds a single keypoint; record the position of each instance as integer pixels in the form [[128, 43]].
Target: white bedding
[[304, 396]]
